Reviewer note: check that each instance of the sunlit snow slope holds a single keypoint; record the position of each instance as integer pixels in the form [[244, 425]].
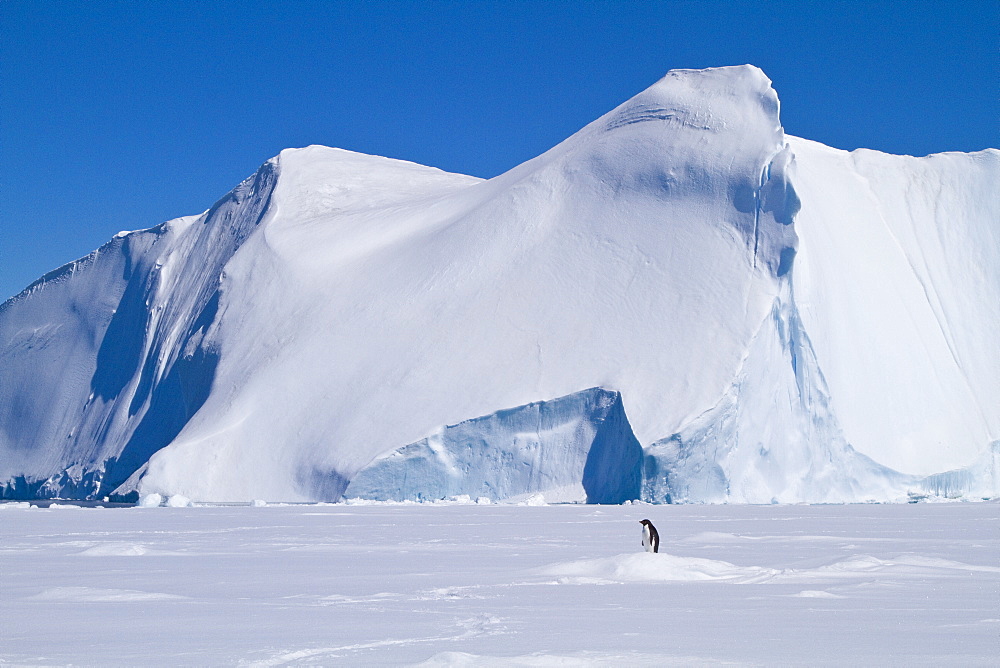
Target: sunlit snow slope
[[782, 321]]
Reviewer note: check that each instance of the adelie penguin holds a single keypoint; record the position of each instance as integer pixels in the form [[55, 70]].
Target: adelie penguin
[[650, 538]]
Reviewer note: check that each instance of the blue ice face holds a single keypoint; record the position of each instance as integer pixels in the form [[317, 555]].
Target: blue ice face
[[583, 440]]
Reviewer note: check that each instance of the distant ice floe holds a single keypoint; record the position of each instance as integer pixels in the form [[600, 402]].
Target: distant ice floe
[[155, 500], [15, 505], [150, 501], [457, 500], [178, 501]]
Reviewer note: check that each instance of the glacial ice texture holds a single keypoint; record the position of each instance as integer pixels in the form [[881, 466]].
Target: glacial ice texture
[[575, 448], [783, 321]]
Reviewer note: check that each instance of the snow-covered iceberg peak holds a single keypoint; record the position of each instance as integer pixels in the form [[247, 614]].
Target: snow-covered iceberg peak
[[707, 136]]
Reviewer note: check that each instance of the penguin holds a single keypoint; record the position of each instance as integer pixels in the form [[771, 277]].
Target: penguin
[[650, 538]]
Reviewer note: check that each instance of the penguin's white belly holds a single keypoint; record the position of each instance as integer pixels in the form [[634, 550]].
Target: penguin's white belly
[[647, 540]]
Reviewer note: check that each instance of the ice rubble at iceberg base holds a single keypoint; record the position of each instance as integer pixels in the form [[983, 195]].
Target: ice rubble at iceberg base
[[781, 322]]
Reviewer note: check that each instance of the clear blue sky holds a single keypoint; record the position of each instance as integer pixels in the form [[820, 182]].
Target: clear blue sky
[[120, 115]]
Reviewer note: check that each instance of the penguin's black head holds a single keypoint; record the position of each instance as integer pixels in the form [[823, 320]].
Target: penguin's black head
[[645, 522]]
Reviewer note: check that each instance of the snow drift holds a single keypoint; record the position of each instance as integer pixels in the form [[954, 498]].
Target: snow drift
[[781, 321]]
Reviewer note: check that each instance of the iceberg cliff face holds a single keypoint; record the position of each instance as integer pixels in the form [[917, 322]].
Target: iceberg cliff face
[[898, 286], [577, 448], [781, 321], [104, 361], [772, 438]]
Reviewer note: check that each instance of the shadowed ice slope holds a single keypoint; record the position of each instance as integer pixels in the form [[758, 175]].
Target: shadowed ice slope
[[104, 359], [782, 321]]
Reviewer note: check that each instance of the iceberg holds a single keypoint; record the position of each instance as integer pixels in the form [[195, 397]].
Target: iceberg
[[578, 448], [782, 321]]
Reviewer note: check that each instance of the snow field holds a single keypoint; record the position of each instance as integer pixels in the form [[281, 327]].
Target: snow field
[[488, 584]]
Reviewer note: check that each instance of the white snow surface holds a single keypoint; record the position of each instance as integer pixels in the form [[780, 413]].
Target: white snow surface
[[906, 250], [783, 321], [489, 585]]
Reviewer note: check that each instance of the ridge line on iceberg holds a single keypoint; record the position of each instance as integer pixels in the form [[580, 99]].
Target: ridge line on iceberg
[[145, 371]]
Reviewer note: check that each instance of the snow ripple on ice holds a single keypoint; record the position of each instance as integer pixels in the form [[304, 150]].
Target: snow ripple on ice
[[816, 593], [437, 594], [480, 625], [126, 550], [582, 658], [94, 595], [646, 567]]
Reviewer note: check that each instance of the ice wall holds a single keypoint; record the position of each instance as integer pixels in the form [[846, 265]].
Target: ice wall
[[897, 282], [103, 359], [979, 480], [772, 438], [576, 448]]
